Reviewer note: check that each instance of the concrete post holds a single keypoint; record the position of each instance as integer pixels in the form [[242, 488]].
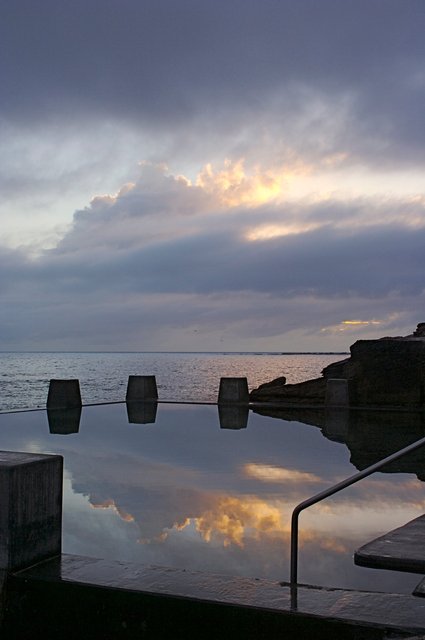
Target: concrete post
[[64, 394], [141, 388], [233, 391], [337, 393], [30, 508]]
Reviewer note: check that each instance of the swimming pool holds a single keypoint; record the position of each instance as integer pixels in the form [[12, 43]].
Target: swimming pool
[[174, 488]]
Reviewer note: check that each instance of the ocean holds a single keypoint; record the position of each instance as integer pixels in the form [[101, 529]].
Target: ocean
[[24, 377]]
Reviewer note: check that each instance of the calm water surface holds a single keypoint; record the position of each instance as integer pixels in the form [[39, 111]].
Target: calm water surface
[[181, 491]]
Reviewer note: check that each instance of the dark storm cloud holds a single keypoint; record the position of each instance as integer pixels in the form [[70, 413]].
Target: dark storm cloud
[[324, 263], [328, 94], [176, 65]]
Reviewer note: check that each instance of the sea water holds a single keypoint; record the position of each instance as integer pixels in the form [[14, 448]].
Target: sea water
[[24, 377]]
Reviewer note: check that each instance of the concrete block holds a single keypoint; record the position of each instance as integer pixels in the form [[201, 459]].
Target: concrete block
[[233, 391], [141, 388], [64, 394], [30, 508], [337, 392]]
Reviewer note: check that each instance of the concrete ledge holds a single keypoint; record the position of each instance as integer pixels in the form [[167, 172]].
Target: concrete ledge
[[401, 549], [175, 603]]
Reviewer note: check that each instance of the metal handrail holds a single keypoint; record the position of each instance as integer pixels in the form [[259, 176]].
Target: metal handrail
[[331, 491]]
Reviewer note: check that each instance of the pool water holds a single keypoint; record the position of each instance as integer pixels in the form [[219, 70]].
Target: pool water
[[174, 488]]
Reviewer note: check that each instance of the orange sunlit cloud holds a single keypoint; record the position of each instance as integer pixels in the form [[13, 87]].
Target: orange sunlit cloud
[[271, 473], [234, 186], [111, 505], [234, 518], [356, 322], [347, 325], [270, 231]]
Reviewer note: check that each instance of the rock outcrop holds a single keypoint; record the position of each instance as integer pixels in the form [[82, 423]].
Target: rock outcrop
[[389, 372]]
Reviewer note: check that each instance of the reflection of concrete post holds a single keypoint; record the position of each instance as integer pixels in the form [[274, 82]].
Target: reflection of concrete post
[[337, 392], [64, 421], [64, 394], [30, 508], [233, 416], [337, 423], [141, 388], [142, 412], [233, 391]]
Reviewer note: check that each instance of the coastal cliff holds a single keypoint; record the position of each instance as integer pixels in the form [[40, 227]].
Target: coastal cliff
[[388, 372]]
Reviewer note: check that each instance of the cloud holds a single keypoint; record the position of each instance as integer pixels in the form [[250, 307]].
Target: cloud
[[171, 237], [270, 473], [224, 66], [294, 195], [165, 255]]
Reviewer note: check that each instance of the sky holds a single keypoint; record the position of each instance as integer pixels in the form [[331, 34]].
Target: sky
[[227, 175]]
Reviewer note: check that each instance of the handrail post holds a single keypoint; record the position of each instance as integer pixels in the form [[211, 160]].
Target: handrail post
[[335, 489], [294, 546]]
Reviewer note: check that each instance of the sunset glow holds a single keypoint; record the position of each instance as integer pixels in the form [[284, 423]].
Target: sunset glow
[[233, 186], [268, 473]]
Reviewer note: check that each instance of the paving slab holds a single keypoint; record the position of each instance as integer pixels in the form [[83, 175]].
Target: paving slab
[[402, 549], [169, 589]]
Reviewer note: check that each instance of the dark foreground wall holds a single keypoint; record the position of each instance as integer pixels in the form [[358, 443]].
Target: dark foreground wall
[[75, 597]]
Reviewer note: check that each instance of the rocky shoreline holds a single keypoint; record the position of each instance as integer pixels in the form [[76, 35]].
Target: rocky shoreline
[[388, 372]]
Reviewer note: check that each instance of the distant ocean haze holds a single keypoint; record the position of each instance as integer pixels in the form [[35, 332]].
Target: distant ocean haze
[[24, 377]]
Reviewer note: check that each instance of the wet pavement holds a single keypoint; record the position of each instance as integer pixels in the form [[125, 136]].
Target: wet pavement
[[143, 597]]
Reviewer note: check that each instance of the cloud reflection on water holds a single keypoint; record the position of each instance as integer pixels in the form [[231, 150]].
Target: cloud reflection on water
[[185, 493]]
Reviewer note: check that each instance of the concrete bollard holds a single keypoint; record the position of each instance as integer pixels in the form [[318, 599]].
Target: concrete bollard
[[30, 508], [64, 394], [233, 391], [337, 393], [141, 388]]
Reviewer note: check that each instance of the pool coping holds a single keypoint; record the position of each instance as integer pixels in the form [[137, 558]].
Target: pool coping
[[150, 589]]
